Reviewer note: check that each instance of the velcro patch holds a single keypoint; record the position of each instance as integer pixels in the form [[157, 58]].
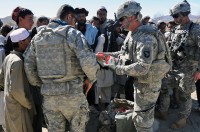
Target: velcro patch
[[146, 54]]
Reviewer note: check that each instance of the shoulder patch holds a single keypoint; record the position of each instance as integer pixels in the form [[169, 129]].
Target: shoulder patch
[[146, 53]]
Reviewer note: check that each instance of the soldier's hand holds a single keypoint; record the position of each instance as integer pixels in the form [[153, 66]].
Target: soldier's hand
[[196, 76], [87, 86]]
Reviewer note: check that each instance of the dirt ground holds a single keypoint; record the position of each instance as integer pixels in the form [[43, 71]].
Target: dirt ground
[[193, 122]]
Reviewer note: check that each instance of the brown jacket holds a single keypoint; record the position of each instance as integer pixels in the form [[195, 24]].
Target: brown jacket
[[19, 108]]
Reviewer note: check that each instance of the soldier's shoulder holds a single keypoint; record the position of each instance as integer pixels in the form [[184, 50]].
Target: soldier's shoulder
[[147, 38], [72, 31], [148, 29], [195, 27], [196, 24]]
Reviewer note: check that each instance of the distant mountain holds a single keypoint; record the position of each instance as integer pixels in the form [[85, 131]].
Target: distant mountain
[[169, 18], [8, 21]]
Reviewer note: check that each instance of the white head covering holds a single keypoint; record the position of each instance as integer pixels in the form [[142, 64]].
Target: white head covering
[[160, 21], [19, 34]]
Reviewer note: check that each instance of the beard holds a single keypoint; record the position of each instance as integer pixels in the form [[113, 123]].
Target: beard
[[81, 22], [102, 21]]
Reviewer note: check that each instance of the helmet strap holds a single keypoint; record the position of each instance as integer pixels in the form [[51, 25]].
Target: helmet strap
[[138, 16]]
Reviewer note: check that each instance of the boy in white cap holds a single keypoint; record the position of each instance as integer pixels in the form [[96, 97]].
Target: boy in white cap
[[18, 100]]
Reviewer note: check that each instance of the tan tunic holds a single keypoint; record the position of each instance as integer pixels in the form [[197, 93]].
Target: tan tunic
[[18, 99]]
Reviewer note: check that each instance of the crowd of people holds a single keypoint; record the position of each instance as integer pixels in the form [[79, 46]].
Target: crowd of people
[[67, 71]]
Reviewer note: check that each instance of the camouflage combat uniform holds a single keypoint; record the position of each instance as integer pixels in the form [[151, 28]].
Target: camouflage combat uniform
[[146, 58], [148, 66], [63, 95], [169, 83], [186, 63]]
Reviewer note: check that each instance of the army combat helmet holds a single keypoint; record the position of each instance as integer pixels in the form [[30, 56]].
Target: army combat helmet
[[182, 7], [128, 8]]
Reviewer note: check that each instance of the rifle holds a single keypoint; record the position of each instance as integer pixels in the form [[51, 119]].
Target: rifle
[[112, 35]]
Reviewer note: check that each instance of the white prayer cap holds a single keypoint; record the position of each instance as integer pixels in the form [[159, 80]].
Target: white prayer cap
[[19, 34], [160, 21], [150, 20], [102, 8]]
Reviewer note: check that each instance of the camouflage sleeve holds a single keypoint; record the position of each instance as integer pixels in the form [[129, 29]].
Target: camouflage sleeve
[[196, 37], [144, 55], [30, 65], [117, 53], [2, 78], [123, 48], [85, 55]]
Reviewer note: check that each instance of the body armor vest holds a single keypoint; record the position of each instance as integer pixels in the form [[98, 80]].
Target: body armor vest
[[162, 60], [182, 46], [54, 57]]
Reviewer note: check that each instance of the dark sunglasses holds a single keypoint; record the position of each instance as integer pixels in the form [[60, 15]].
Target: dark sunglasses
[[176, 15], [122, 19]]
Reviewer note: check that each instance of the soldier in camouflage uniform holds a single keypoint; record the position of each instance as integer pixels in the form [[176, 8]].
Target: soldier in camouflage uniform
[[169, 83], [57, 61], [184, 42], [146, 50]]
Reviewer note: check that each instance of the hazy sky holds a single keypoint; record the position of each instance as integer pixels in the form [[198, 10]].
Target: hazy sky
[[49, 7]]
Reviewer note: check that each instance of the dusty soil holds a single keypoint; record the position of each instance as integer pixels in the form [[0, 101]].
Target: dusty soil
[[193, 122]]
